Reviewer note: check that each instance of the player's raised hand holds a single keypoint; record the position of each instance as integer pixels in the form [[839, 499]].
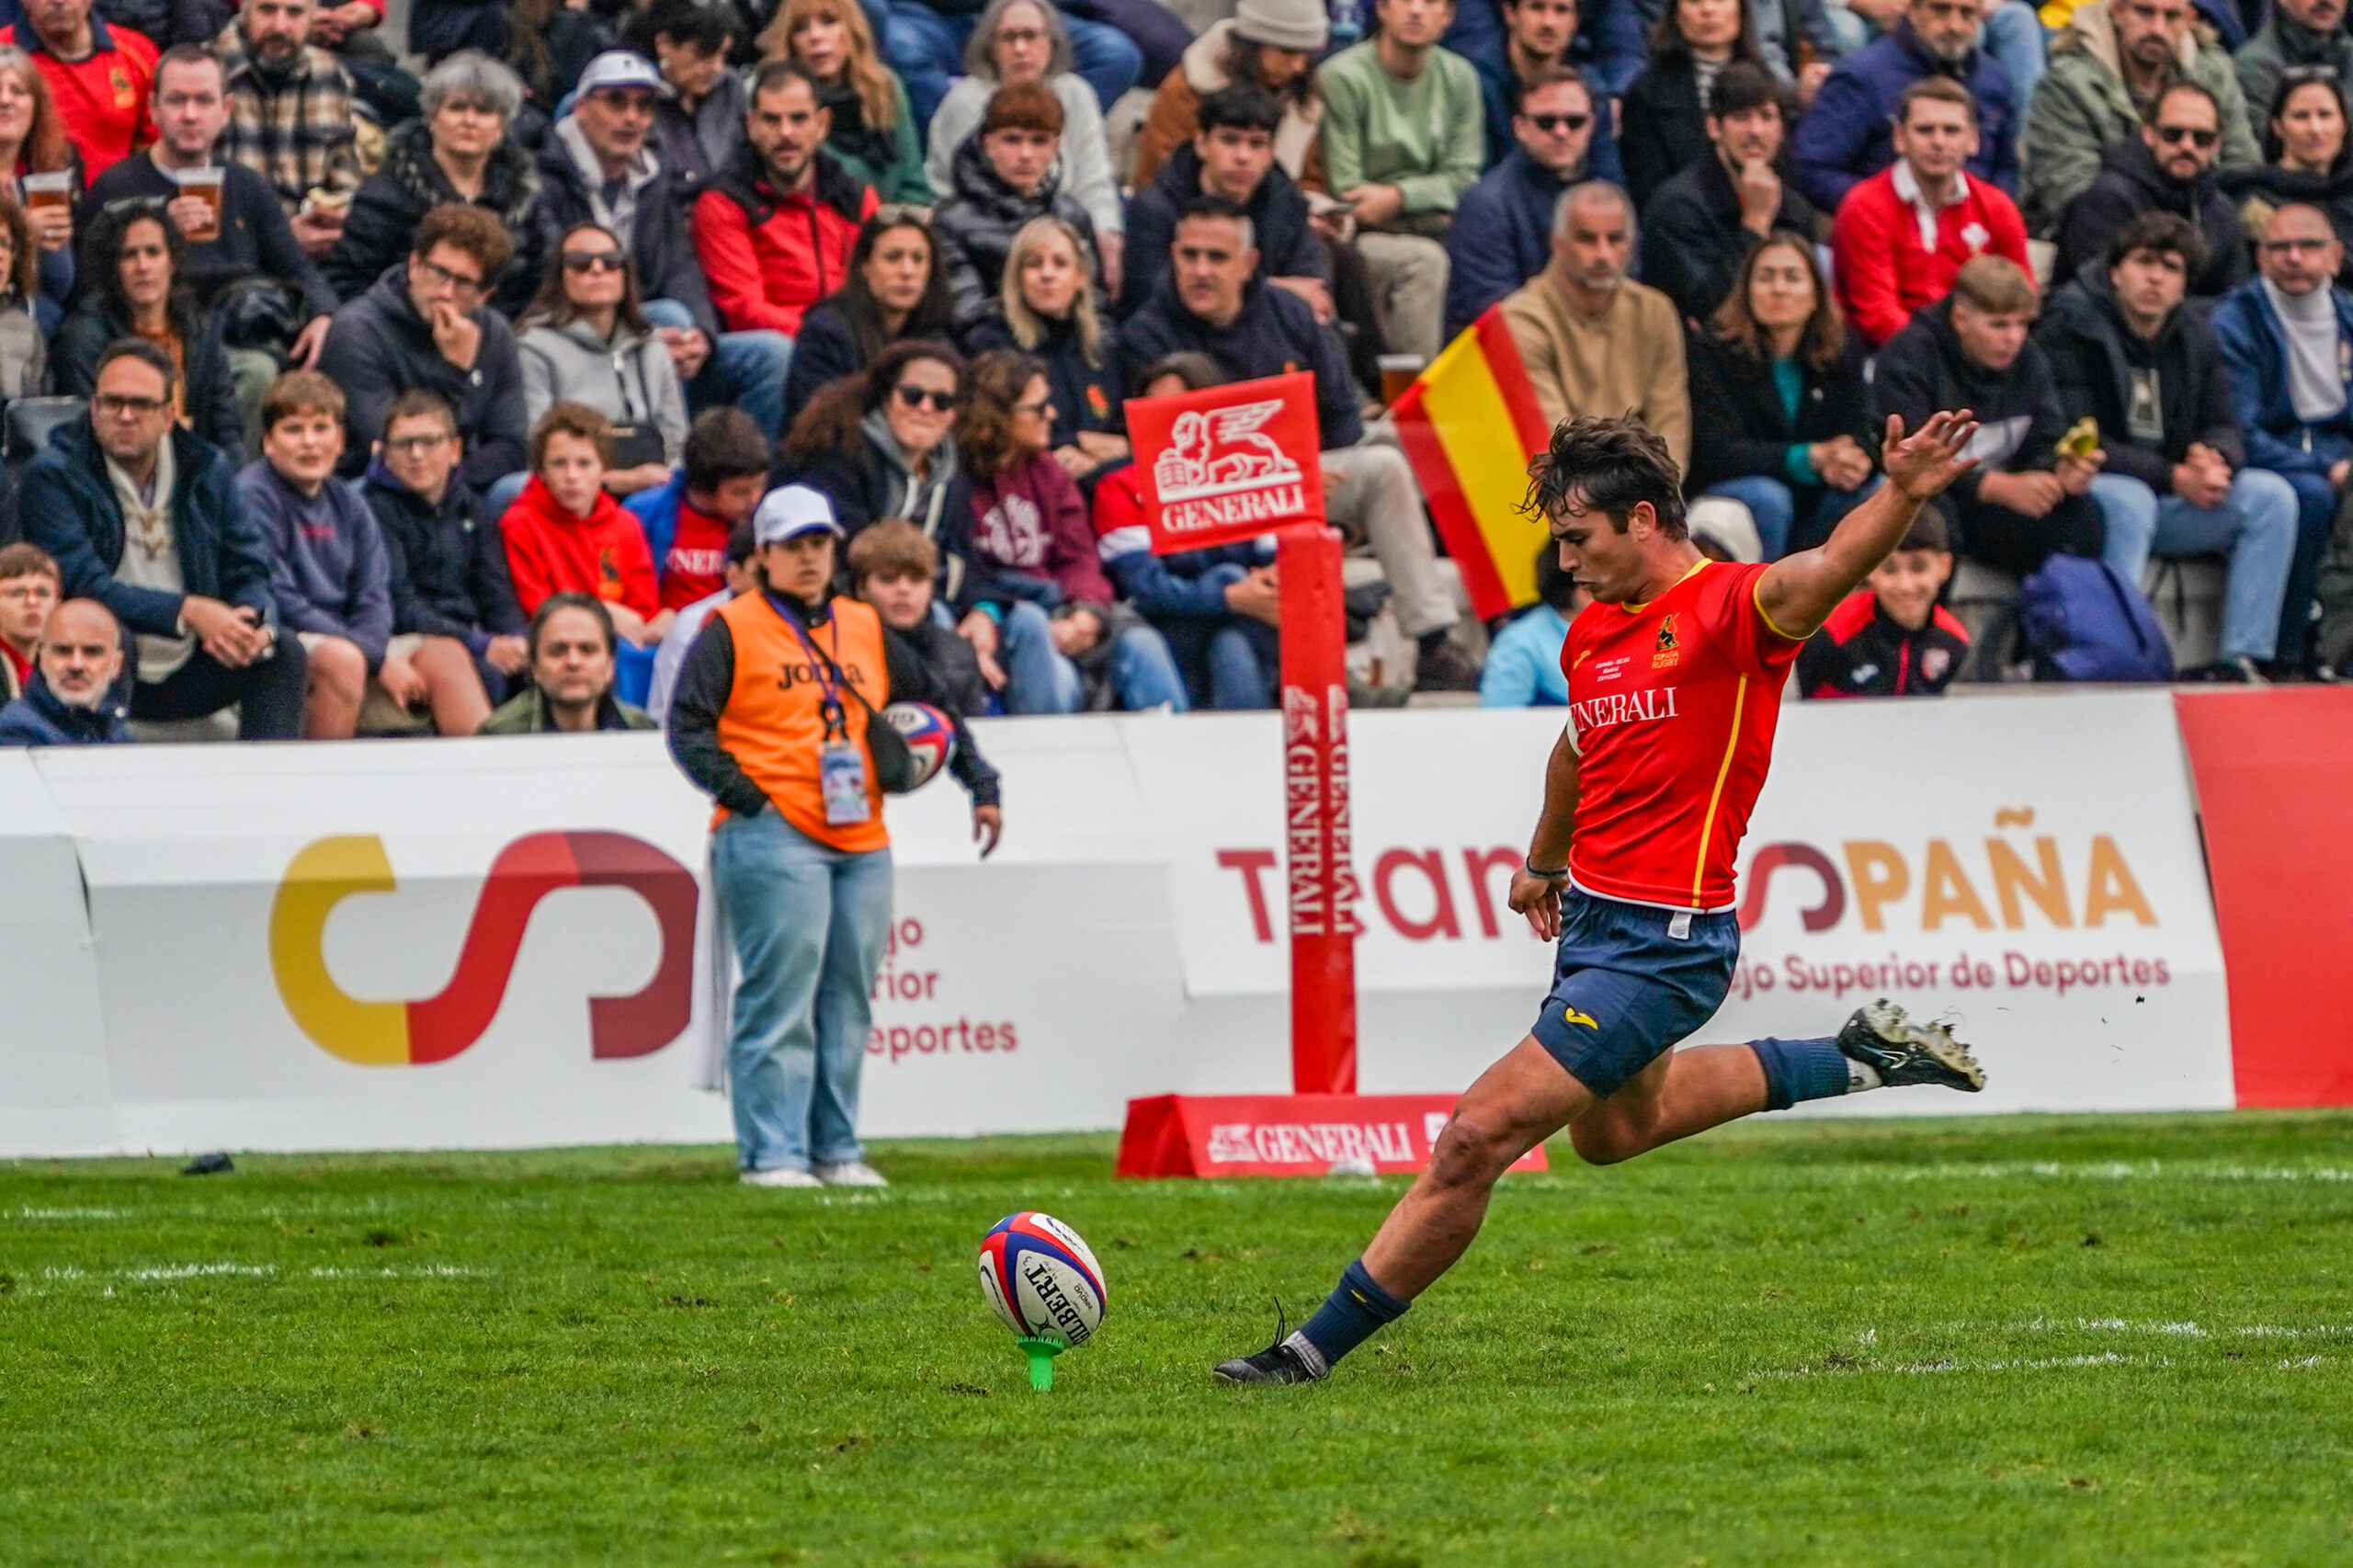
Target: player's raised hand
[[1922, 464]]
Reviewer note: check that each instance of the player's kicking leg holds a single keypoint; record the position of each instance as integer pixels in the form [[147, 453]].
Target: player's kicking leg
[[1531, 1095]]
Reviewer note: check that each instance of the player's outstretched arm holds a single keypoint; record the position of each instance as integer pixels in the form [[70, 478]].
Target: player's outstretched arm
[[1536, 888], [1797, 592]]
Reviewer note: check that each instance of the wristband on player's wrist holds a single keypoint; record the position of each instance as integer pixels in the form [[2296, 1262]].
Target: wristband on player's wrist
[[1559, 876]]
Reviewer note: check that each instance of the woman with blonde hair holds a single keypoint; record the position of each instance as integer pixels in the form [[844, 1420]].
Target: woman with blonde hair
[[33, 141], [874, 132], [1046, 309]]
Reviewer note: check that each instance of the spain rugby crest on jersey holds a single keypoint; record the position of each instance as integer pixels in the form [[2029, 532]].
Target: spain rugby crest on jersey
[[1041, 1278]]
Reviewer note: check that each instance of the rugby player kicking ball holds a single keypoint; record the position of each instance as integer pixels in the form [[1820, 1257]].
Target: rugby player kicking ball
[[1675, 684]]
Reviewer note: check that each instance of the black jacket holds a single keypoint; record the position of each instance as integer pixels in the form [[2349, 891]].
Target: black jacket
[[1275, 332], [976, 227], [210, 397], [2093, 356], [69, 510], [953, 668], [2331, 192], [826, 351], [1921, 370], [865, 485], [1288, 246], [1086, 396], [2130, 184], [1665, 128], [707, 678], [380, 347], [665, 253], [381, 227], [448, 566], [1693, 239], [255, 239], [1862, 652], [1737, 426]]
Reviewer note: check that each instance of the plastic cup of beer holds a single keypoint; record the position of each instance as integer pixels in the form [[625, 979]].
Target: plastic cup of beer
[[205, 186], [1398, 372], [54, 188]]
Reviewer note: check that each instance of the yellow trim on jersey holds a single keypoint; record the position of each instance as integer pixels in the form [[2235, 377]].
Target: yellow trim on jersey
[[1708, 824], [1756, 597], [1696, 567]]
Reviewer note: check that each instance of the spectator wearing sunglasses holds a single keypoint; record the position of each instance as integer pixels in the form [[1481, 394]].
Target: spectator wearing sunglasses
[[2169, 167], [586, 339], [882, 445], [1703, 223], [1502, 235]]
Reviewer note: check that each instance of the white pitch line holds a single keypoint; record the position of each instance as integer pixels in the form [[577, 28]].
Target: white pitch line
[[28, 1212]]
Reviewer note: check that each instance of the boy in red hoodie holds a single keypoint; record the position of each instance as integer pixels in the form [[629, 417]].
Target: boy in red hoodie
[[566, 534]]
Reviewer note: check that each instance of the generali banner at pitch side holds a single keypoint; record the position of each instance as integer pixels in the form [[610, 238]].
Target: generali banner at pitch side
[[2027, 865]]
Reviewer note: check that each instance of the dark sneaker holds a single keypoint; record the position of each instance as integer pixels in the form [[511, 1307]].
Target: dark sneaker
[[1280, 1362], [1446, 668], [2235, 670], [1905, 1052]]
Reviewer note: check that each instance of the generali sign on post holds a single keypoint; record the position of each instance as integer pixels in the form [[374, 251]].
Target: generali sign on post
[[1228, 463]]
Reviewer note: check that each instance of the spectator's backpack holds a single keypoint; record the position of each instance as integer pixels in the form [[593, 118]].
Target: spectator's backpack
[[2083, 621]]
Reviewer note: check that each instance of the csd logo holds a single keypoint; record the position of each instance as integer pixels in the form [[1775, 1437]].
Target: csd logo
[[394, 1034]]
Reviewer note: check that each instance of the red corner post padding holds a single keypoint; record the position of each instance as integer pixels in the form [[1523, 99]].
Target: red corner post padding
[[1231, 1135], [2274, 770]]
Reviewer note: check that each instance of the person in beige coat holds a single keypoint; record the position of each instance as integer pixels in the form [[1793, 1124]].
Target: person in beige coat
[[1271, 42], [1593, 340]]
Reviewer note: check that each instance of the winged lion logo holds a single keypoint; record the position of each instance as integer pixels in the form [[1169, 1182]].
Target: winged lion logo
[[1215, 451]]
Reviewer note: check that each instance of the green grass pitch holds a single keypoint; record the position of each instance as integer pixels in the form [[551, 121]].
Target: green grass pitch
[[2025, 1341]]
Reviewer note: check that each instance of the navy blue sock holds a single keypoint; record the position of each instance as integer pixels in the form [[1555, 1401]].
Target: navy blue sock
[[1801, 1070], [1347, 1318]]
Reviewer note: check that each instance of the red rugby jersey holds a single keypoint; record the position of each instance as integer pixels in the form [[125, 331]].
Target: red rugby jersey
[[1672, 707]]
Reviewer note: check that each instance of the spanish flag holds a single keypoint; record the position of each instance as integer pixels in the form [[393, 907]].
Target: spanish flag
[[1469, 427]]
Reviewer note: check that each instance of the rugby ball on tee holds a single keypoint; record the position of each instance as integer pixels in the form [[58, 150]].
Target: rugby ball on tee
[[929, 736], [1041, 1280]]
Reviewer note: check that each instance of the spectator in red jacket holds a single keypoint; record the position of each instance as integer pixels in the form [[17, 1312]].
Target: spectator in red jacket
[[98, 76], [774, 231], [1902, 235], [566, 534], [1890, 637]]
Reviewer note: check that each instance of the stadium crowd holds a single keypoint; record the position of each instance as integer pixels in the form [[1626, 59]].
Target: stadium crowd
[[377, 390]]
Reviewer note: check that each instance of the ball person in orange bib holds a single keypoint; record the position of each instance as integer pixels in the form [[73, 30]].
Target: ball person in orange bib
[[770, 718], [1675, 677]]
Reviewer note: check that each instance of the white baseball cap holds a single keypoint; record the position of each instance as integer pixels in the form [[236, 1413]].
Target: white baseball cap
[[622, 68], [790, 510]]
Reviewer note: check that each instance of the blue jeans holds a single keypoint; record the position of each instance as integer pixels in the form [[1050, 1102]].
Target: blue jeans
[[1774, 506], [809, 924], [2316, 516], [504, 491], [1040, 679], [927, 49], [2013, 35], [2256, 525], [745, 369]]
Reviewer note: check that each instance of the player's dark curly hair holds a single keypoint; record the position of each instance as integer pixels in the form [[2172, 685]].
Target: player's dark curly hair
[[1600, 464]]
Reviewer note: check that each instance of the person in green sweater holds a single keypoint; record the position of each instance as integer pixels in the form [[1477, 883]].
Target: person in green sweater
[[1402, 141], [874, 131], [571, 643]]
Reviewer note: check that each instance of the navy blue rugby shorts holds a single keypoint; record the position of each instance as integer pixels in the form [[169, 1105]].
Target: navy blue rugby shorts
[[1625, 989]]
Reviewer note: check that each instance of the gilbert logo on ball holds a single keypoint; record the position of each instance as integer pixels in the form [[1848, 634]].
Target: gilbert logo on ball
[[929, 736], [1044, 1284]]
